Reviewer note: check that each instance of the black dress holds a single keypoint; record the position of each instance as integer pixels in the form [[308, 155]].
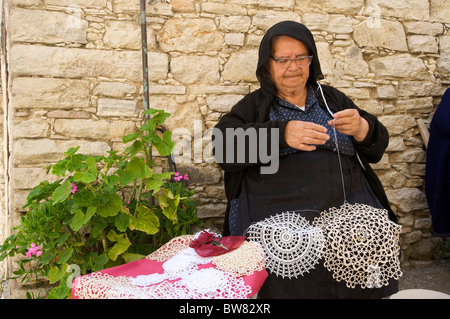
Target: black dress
[[308, 183], [313, 184]]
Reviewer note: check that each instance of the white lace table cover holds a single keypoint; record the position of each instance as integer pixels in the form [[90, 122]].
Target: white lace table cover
[[181, 277]]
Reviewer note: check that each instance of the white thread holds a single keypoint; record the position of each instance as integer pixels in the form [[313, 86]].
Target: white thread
[[336, 142]]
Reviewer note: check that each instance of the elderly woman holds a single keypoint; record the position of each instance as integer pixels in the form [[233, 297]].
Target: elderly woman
[[291, 101]]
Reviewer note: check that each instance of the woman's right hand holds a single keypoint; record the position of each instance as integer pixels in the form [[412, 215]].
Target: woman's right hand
[[305, 135]]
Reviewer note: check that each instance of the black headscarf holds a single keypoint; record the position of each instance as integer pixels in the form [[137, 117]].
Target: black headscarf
[[297, 31]]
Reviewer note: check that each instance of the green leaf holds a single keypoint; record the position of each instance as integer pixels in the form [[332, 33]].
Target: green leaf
[[60, 168], [131, 137], [169, 204], [91, 210], [61, 193], [125, 176], [111, 206], [138, 168], [47, 256], [72, 150], [134, 148], [60, 292], [129, 257], [157, 181], [120, 247], [55, 274], [122, 222], [61, 240], [145, 221], [166, 146], [53, 235], [77, 220], [64, 257], [90, 175]]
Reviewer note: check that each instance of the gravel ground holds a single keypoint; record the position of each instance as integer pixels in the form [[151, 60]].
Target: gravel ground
[[429, 275]]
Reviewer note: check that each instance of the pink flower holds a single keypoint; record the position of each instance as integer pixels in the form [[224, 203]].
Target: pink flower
[[74, 188], [33, 250], [178, 177]]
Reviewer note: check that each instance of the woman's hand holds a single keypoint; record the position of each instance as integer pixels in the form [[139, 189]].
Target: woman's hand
[[349, 122], [304, 135]]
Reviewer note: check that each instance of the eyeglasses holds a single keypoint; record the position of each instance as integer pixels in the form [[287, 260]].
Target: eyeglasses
[[301, 61]]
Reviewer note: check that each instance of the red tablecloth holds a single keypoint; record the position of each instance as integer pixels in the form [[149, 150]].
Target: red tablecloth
[[117, 282]]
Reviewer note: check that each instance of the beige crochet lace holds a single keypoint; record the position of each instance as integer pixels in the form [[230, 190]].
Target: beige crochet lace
[[362, 246]]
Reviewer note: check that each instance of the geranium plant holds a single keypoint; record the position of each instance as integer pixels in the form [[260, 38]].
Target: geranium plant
[[103, 211]]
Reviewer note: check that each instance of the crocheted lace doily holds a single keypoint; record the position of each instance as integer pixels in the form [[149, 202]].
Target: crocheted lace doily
[[362, 245], [244, 261], [181, 278], [205, 283], [292, 246], [171, 248]]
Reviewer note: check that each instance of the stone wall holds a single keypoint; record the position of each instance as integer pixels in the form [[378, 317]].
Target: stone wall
[[75, 78]]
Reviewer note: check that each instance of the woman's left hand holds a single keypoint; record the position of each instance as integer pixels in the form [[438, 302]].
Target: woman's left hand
[[349, 122]]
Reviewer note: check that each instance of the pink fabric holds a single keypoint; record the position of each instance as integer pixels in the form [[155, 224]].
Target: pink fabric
[[207, 244], [147, 267]]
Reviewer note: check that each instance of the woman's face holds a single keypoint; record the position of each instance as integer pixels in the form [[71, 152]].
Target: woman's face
[[289, 79]]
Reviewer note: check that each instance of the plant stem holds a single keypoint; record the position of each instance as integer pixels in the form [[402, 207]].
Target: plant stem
[[105, 246]]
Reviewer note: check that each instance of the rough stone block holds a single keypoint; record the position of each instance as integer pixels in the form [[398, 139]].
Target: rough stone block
[[38, 151], [122, 34], [407, 199], [190, 35], [46, 26], [78, 3], [48, 93], [329, 23], [389, 35], [404, 9], [422, 44], [101, 129], [439, 10], [398, 66], [241, 66], [75, 63], [398, 124], [223, 103], [195, 69], [443, 62], [113, 107], [114, 89], [267, 18], [34, 127]]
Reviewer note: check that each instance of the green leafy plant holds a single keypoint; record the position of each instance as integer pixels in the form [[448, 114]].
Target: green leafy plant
[[103, 211]]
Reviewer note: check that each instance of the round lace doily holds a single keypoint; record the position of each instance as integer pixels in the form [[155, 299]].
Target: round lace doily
[[243, 261], [362, 245], [292, 246], [171, 248]]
